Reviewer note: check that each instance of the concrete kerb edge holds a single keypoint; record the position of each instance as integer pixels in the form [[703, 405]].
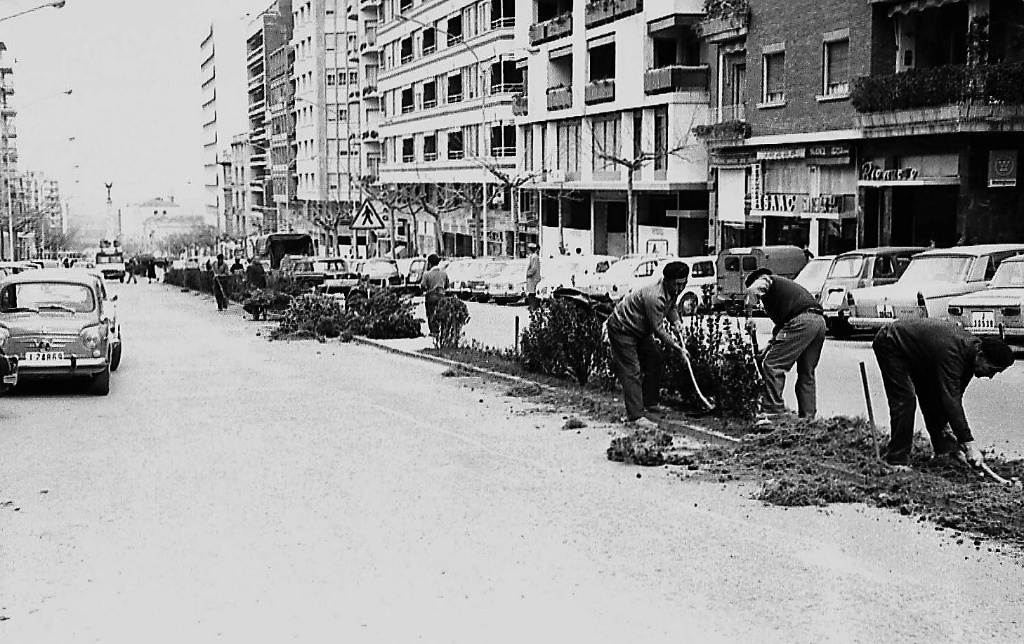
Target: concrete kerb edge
[[696, 429]]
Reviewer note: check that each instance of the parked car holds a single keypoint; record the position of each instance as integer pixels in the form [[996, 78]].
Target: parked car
[[701, 284], [460, 272], [339, 276], [509, 284], [933, 278], [571, 271], [490, 268], [60, 323], [735, 264], [412, 269], [380, 272], [626, 274], [313, 272], [995, 310], [812, 275], [860, 268], [13, 268]]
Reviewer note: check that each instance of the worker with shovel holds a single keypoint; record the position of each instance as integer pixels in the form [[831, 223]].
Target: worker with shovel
[[635, 357], [798, 337], [934, 360]]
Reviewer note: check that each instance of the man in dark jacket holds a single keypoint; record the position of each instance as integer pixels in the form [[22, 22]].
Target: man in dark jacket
[[935, 360], [255, 275], [635, 357], [798, 337]]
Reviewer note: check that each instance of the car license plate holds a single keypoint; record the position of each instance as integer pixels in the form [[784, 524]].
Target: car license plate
[[43, 357], [886, 311], [835, 299], [983, 319]]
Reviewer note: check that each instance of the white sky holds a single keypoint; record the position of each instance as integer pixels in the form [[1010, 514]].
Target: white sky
[[134, 112]]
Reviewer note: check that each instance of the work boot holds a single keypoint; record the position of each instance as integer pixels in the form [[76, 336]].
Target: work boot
[[643, 423]]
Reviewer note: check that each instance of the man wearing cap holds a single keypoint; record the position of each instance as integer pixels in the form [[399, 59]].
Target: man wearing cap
[[934, 359], [798, 337], [532, 275], [635, 357]]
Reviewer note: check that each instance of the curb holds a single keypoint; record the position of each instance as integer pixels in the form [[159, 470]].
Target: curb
[[708, 434]]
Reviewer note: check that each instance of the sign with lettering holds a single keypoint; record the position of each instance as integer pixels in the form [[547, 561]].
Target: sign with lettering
[[781, 154], [796, 203], [872, 172], [1002, 168], [828, 150]]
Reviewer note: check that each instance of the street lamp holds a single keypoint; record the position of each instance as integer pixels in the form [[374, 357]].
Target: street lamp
[[58, 4]]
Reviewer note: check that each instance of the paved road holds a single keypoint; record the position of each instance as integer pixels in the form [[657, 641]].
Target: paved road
[[994, 407], [235, 490]]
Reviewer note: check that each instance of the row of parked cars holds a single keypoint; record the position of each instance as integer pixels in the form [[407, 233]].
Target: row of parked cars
[[979, 287]]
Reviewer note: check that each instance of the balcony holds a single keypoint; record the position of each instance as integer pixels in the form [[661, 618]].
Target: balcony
[[503, 152], [430, 156], [599, 91], [503, 23], [559, 98], [257, 106], [728, 113], [368, 4], [948, 99], [520, 105], [557, 27], [407, 109], [600, 12], [506, 88], [677, 78], [725, 26]]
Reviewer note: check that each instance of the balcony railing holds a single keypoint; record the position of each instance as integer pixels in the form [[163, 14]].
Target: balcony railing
[[408, 158], [429, 49], [429, 103], [503, 151], [430, 156], [560, 25], [601, 11], [407, 108], [725, 26], [455, 98], [503, 23], [520, 105], [406, 58], [454, 39], [506, 88], [728, 113], [456, 154], [677, 78], [599, 91], [998, 84], [559, 98]]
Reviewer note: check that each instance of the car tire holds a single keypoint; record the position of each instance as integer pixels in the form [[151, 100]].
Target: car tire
[[688, 305], [840, 329], [115, 359], [100, 385]]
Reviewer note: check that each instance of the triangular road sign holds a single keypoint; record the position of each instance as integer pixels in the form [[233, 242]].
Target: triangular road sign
[[368, 219]]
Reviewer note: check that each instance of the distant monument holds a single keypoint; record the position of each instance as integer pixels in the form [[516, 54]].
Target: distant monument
[[113, 220]]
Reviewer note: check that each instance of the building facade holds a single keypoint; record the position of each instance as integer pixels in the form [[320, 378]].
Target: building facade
[[613, 91], [8, 153]]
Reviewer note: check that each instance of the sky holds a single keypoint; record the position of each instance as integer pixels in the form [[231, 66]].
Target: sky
[[134, 115]]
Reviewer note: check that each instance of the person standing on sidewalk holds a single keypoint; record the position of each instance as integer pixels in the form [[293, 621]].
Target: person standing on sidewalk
[[532, 275], [130, 270], [632, 327], [434, 284], [221, 270], [151, 270], [255, 275], [934, 360], [798, 337]]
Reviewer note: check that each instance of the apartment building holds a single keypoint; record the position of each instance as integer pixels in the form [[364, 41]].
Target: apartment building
[[223, 78], [840, 124], [8, 150], [267, 33], [242, 219], [613, 91], [448, 79], [281, 105]]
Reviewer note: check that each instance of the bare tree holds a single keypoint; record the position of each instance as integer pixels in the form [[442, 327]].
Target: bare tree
[[329, 220]]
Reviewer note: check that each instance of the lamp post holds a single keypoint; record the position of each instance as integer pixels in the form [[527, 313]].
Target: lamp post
[[58, 4]]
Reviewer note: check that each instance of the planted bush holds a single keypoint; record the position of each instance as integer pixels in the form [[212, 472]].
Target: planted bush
[[312, 316], [563, 339], [260, 301], [384, 315], [450, 316]]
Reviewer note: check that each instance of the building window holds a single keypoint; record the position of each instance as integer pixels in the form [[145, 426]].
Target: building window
[[404, 6], [454, 30], [406, 50], [503, 140], [430, 147], [429, 41], [429, 94], [661, 137], [408, 152], [330, 79], [528, 148], [606, 143], [568, 145], [455, 88], [774, 81], [455, 147], [836, 68], [407, 104]]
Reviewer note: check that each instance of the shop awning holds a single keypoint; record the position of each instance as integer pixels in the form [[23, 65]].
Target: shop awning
[[910, 6]]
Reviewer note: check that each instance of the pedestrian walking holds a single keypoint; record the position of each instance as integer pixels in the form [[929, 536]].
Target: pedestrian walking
[[151, 270], [255, 275], [632, 327], [220, 276], [130, 270], [434, 285], [532, 275], [797, 338], [934, 361]]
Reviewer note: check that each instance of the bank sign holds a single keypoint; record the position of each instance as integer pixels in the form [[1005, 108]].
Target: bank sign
[[1002, 169], [796, 204]]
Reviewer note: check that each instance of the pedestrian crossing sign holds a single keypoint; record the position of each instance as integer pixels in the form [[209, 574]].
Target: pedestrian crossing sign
[[368, 219]]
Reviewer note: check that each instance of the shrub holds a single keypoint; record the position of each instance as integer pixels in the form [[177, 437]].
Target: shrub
[[723, 365], [563, 339], [312, 316], [260, 301], [450, 316], [384, 315]]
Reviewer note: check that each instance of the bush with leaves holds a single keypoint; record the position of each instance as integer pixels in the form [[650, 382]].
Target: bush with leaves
[[723, 364], [450, 316], [384, 315], [563, 339], [312, 316]]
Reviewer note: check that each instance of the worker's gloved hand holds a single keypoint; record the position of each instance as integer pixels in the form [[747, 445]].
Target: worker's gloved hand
[[750, 326], [973, 456]]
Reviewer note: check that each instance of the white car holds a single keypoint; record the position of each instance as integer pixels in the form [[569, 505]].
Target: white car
[[813, 275], [571, 271], [995, 310], [627, 274]]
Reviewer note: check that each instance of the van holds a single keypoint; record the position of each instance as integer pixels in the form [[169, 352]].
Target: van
[[272, 248], [735, 264]]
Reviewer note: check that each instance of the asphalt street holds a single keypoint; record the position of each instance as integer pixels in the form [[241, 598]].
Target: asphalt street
[[232, 489], [994, 407]]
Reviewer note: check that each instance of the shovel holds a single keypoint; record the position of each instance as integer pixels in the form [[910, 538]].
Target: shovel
[[752, 334], [693, 378]]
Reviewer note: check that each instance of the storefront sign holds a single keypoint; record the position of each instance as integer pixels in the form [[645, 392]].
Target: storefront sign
[[794, 203], [828, 151], [782, 154], [1002, 169], [731, 160], [872, 172]]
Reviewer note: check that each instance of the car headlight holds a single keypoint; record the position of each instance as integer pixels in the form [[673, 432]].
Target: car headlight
[[5, 335], [91, 336], [956, 310]]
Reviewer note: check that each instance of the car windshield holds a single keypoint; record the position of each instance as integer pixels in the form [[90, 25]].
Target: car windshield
[[937, 268], [380, 267], [815, 270], [46, 296], [621, 270], [494, 269], [1009, 275], [848, 266], [330, 265], [110, 259]]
